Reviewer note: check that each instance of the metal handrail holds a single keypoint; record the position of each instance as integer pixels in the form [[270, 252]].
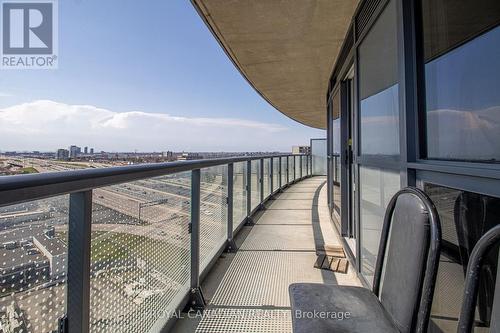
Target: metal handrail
[[22, 188]]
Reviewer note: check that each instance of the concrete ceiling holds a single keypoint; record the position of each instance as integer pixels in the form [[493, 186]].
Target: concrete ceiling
[[286, 49]]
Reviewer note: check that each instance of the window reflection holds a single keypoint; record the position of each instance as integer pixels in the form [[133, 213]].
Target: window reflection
[[380, 123], [376, 190], [378, 86], [465, 217], [463, 103]]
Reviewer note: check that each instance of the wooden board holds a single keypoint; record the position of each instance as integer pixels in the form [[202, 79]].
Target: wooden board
[[335, 264], [326, 263], [343, 265], [319, 261]]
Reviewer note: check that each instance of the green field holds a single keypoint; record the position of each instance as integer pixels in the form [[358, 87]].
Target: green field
[[28, 170], [123, 249]]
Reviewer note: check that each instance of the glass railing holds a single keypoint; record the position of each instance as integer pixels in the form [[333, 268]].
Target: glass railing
[[276, 174], [291, 168], [239, 194], [266, 180], [121, 249], [284, 170]]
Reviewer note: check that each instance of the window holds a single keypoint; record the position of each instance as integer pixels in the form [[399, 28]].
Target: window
[[378, 85], [465, 217], [336, 157], [462, 55], [376, 190]]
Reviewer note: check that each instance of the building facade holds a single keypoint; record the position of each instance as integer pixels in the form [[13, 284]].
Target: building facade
[[62, 154], [413, 101], [296, 150]]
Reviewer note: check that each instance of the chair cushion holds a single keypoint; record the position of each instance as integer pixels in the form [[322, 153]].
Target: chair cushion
[[321, 308]]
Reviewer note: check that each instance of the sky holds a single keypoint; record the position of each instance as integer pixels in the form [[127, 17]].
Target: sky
[[139, 75]]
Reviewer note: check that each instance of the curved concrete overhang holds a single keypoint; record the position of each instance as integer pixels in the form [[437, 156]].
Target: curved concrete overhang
[[285, 49]]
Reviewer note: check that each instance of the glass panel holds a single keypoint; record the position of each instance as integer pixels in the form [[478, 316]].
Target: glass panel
[[376, 190], [336, 158], [465, 217], [297, 167], [213, 212], [140, 253], [379, 89], [255, 183], [34, 265], [239, 193], [463, 103], [318, 152], [267, 179], [283, 171], [336, 183], [291, 168], [276, 175]]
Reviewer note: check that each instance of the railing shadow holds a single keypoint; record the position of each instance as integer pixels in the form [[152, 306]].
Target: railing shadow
[[319, 240]]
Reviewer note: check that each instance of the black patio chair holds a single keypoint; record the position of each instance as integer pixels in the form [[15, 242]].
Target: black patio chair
[[400, 301], [474, 214], [477, 259]]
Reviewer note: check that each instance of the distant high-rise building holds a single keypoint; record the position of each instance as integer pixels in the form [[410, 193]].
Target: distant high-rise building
[[74, 151], [189, 156], [301, 150], [62, 154], [91, 151], [86, 150]]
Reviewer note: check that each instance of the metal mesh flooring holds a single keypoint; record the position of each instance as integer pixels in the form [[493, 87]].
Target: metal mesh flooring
[[306, 204], [246, 320], [280, 238], [261, 278], [251, 295], [286, 217]]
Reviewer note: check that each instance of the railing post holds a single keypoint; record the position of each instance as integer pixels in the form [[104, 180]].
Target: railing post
[[271, 175], [231, 245], [279, 174], [249, 220], [196, 299], [261, 182], [79, 238]]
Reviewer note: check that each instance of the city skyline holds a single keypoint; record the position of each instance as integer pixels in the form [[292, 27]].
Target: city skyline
[[136, 93]]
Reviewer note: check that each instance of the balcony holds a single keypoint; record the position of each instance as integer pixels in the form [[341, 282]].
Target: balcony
[[131, 248], [248, 290]]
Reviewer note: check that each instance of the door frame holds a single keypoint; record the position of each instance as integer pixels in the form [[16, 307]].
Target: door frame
[[349, 168]]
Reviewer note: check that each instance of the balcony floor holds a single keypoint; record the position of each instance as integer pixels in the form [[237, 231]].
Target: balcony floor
[[248, 291]]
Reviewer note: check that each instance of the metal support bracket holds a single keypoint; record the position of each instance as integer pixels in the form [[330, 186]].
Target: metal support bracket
[[231, 246], [63, 324], [196, 300], [249, 221]]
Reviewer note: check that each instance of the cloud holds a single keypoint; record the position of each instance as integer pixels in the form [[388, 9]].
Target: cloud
[[47, 125], [5, 94]]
